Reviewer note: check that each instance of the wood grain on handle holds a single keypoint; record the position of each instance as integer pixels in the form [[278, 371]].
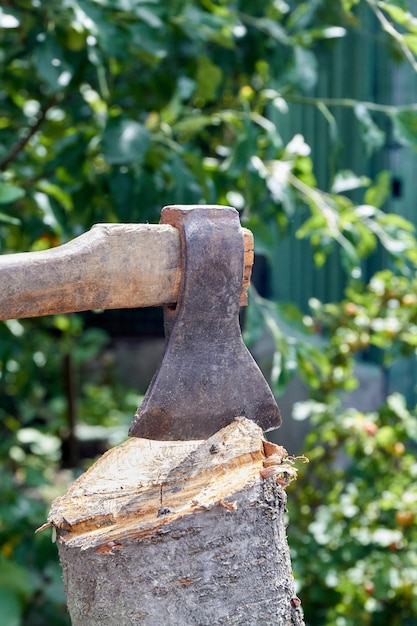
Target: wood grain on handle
[[112, 266]]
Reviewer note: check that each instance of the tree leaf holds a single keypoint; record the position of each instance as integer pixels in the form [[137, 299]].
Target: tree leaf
[[55, 191], [380, 191], [192, 124], [7, 219], [405, 127], [399, 15], [392, 219], [51, 216], [304, 72], [50, 64], [328, 32], [209, 77], [346, 180], [149, 17], [10, 193], [125, 141], [315, 223], [411, 42], [271, 28], [8, 20], [372, 136]]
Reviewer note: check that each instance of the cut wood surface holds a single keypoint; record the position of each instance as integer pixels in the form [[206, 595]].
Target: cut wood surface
[[112, 266], [178, 533]]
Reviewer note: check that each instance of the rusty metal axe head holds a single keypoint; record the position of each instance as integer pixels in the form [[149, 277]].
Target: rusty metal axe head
[[207, 376]]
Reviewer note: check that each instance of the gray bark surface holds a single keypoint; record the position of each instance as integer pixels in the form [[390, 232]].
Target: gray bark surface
[[199, 538]]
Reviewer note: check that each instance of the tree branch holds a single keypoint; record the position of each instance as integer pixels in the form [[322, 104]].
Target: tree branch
[[389, 28], [351, 103], [21, 143]]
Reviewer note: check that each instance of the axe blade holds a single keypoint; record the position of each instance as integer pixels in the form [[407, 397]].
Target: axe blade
[[207, 376]]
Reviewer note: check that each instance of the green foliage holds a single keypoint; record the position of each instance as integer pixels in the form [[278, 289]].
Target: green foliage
[[353, 516], [354, 508], [110, 109], [35, 423]]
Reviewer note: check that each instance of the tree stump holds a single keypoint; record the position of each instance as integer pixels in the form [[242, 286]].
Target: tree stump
[[178, 533]]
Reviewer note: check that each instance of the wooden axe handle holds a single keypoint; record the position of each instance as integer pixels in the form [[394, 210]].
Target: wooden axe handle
[[112, 266]]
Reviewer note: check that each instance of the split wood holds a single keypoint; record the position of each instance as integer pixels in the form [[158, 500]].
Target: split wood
[[178, 533]]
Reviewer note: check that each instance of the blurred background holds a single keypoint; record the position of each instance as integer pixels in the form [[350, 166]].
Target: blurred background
[[302, 115]]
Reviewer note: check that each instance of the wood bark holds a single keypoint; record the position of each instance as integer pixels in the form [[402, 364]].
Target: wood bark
[[178, 533], [112, 266]]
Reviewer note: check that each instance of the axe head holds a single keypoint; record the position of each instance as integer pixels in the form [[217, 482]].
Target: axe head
[[207, 376]]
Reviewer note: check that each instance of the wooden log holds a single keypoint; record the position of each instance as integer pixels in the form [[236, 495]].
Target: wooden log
[[112, 266], [178, 533]]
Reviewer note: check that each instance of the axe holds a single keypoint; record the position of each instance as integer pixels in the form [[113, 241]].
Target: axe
[[197, 264]]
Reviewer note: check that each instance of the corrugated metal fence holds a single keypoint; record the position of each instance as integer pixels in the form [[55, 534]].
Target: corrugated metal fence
[[358, 67]]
